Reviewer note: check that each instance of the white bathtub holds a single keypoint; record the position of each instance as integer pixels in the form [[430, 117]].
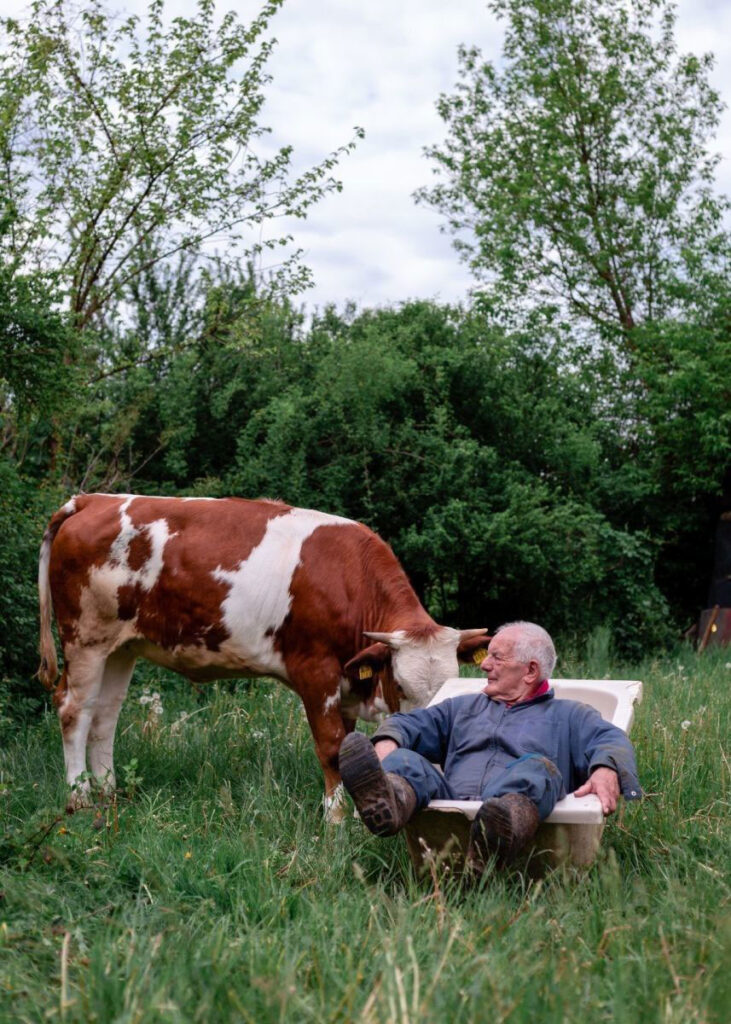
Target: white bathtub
[[573, 830]]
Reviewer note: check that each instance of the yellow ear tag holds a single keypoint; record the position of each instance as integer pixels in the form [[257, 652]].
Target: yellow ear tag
[[365, 672], [479, 655]]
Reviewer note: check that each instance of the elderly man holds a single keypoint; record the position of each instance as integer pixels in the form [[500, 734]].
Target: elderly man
[[512, 746]]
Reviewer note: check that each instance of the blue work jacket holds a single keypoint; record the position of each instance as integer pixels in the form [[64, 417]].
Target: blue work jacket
[[474, 737]]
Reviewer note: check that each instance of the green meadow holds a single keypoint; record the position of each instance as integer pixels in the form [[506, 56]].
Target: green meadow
[[211, 889]]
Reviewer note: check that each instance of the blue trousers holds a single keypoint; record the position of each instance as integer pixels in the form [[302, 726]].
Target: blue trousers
[[532, 775]]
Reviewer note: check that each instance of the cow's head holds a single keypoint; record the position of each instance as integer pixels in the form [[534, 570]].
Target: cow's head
[[403, 670]]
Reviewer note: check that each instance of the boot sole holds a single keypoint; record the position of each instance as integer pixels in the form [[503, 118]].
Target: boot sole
[[367, 784]]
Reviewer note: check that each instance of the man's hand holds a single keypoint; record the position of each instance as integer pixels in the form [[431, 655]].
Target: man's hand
[[385, 747], [604, 782]]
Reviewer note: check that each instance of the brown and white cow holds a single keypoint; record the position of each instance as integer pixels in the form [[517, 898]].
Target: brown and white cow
[[217, 588]]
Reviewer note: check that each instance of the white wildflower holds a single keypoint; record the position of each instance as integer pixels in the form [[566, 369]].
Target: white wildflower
[[685, 725], [152, 701]]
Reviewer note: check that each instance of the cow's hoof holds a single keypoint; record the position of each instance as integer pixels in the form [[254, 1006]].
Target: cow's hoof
[[74, 804], [80, 798]]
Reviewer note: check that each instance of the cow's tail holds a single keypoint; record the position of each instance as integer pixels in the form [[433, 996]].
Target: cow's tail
[[48, 668]]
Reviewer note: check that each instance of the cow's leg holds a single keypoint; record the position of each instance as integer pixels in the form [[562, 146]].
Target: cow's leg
[[322, 704], [115, 683], [76, 700]]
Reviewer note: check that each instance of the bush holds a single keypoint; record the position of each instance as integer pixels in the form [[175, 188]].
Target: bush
[[24, 511]]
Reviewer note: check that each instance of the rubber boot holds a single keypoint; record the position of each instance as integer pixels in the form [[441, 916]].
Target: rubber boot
[[504, 827], [384, 801]]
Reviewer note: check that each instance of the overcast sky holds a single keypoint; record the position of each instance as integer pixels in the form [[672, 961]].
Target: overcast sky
[[381, 65]]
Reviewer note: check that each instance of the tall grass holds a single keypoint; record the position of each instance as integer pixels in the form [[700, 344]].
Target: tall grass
[[212, 890]]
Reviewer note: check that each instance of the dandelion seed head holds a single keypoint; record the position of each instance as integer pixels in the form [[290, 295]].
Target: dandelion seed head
[[153, 699]]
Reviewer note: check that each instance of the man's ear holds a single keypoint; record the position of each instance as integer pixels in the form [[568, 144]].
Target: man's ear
[[534, 669], [363, 669], [473, 650]]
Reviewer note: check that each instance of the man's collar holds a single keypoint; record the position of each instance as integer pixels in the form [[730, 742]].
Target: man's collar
[[543, 688]]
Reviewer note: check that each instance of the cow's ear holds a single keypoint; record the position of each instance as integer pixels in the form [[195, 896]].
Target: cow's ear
[[473, 649], [365, 666]]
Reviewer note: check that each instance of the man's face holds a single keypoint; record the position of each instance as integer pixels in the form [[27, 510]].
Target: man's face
[[507, 679]]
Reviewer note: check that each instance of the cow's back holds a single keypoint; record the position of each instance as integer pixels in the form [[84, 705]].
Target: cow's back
[[121, 553], [208, 579]]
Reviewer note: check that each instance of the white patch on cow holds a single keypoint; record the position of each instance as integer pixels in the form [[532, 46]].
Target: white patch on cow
[[127, 533], [335, 805], [420, 666], [259, 597], [74, 740], [98, 621], [199, 499], [158, 534], [70, 506], [333, 701]]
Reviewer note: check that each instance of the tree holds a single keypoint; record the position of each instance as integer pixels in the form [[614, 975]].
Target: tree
[[37, 376], [197, 355], [577, 179], [118, 152], [575, 174]]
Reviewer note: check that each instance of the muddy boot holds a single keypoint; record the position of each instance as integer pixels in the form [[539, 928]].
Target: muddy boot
[[504, 827], [385, 801]]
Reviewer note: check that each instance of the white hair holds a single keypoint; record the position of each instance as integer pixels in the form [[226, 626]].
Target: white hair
[[533, 643]]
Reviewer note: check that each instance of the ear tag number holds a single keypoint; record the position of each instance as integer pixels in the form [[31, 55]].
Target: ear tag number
[[365, 672], [479, 655]]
